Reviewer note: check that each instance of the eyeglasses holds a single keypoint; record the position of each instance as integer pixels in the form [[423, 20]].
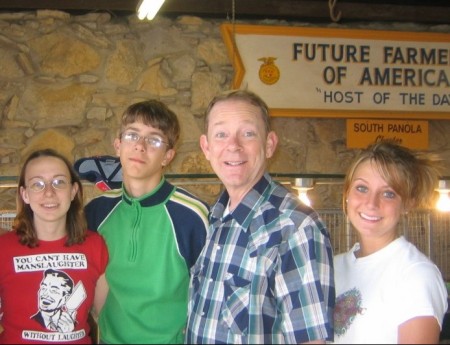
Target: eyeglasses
[[132, 137], [40, 185]]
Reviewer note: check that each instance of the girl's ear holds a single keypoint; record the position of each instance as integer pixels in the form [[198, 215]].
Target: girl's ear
[[408, 206], [74, 191], [24, 195]]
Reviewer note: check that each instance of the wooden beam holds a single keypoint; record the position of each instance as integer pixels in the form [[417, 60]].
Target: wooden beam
[[394, 13], [432, 12], [89, 5]]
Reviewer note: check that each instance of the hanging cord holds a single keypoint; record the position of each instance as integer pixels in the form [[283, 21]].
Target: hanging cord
[[335, 17], [233, 25], [233, 11], [233, 32]]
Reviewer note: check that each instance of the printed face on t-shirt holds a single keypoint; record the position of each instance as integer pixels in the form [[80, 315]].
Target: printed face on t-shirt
[[53, 293]]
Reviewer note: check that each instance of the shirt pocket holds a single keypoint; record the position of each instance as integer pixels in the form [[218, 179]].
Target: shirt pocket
[[235, 309]]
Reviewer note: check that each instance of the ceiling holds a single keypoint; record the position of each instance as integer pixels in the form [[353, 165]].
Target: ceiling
[[424, 11]]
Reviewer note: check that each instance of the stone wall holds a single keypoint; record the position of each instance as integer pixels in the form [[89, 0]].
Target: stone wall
[[65, 80]]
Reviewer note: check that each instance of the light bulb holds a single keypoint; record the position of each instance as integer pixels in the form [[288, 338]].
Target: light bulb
[[303, 185], [303, 196], [443, 203], [148, 8]]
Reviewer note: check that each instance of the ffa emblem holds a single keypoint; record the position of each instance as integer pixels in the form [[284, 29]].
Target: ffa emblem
[[268, 71]]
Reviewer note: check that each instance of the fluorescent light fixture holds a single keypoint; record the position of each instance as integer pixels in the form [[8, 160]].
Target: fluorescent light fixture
[[303, 185], [148, 8], [443, 203]]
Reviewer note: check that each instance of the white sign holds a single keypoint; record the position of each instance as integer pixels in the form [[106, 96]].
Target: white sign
[[343, 73]]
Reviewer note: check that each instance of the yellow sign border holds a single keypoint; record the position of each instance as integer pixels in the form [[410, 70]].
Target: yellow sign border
[[229, 30]]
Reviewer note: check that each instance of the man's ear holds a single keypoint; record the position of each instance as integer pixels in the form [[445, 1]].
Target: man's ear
[[204, 145], [271, 144]]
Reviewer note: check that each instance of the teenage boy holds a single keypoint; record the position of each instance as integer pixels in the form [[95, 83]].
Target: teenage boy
[[154, 232]]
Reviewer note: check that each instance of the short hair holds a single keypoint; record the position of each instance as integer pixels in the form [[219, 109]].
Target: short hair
[[243, 95], [156, 114], [411, 174], [75, 222]]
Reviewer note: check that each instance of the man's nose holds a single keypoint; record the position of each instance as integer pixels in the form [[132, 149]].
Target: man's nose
[[234, 143]]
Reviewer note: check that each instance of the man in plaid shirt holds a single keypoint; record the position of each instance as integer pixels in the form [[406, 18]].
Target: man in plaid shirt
[[266, 272]]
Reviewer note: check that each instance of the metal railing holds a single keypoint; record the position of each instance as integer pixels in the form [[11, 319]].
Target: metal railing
[[429, 230]]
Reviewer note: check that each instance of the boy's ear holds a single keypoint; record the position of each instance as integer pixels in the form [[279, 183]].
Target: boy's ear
[[168, 157], [116, 146]]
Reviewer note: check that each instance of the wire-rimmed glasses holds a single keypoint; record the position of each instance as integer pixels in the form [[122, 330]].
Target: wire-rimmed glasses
[[39, 185], [133, 137]]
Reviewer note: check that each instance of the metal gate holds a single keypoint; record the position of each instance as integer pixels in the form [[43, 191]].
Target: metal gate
[[428, 230]]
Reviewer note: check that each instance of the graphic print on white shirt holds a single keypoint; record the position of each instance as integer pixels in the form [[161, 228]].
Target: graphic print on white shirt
[[348, 306]]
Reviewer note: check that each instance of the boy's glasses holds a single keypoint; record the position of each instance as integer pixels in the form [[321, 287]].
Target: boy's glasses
[[132, 137], [40, 185]]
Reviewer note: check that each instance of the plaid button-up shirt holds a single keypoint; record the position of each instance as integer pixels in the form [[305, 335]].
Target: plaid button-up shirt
[[265, 274]]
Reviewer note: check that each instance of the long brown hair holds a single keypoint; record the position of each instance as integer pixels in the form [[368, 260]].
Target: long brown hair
[[75, 222]]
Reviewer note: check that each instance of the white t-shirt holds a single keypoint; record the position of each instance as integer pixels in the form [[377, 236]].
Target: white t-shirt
[[377, 293]]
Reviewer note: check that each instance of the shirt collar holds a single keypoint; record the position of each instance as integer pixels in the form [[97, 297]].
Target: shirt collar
[[159, 195], [244, 211]]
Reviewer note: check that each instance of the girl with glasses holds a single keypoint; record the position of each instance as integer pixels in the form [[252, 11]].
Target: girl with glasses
[[52, 268]]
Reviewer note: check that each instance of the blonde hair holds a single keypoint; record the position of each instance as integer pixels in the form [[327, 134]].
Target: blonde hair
[[412, 174]]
